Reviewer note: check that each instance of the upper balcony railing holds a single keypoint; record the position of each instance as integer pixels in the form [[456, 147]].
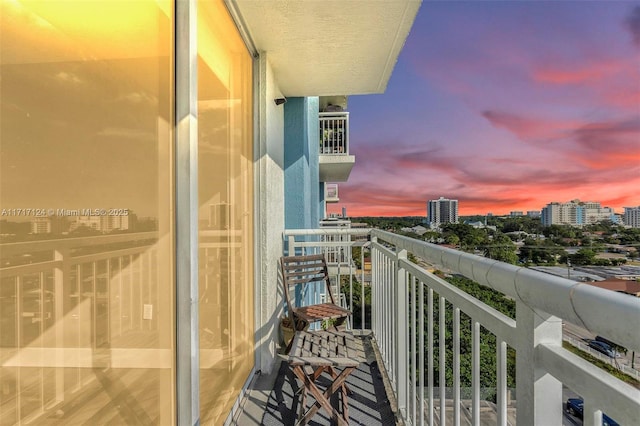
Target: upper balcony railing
[[405, 298], [334, 133]]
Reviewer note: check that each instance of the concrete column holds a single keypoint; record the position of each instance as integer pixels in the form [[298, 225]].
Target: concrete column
[[269, 160]]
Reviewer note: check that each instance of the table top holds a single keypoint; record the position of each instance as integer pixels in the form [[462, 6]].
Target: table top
[[326, 348]]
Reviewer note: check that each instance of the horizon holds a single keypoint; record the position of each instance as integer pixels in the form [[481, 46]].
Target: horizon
[[494, 213], [504, 106]]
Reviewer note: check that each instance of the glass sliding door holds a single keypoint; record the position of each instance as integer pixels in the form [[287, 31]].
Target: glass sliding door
[[225, 194], [87, 310]]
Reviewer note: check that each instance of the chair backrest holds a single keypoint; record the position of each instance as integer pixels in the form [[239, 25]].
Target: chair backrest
[[299, 271]]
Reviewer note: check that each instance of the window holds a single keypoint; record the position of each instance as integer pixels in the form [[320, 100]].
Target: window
[[225, 193], [87, 320]]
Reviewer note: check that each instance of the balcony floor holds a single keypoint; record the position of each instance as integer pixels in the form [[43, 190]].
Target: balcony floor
[[272, 399]]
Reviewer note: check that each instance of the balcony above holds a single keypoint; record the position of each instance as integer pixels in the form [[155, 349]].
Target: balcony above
[[335, 161]]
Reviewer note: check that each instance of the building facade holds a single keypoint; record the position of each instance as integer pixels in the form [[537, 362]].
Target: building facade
[[576, 213], [442, 211], [202, 117], [632, 217]]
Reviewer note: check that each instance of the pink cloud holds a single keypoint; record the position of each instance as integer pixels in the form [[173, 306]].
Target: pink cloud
[[629, 98], [609, 145], [588, 73], [526, 128], [498, 185]]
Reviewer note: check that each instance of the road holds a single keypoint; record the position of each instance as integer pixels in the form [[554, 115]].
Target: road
[[579, 333]]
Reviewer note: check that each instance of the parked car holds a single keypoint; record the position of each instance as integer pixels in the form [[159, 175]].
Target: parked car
[[575, 406], [617, 348], [602, 348]]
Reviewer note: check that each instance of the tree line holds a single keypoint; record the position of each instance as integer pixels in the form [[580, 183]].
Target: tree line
[[523, 240]]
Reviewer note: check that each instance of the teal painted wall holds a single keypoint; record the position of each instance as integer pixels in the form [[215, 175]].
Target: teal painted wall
[[301, 175], [301, 162]]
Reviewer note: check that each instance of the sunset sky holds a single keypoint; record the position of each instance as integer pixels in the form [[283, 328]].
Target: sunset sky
[[503, 106]]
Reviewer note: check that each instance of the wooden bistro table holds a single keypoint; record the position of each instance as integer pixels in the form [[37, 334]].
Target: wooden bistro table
[[324, 351]]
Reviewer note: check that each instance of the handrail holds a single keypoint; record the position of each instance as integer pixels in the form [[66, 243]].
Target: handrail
[[600, 311], [327, 231], [10, 249]]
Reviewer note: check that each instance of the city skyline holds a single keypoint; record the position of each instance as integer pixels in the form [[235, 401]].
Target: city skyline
[[504, 106]]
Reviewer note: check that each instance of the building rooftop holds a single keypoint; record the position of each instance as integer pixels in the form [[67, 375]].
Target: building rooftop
[[623, 286]]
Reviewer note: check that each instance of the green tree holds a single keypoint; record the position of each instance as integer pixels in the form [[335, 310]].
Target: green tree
[[452, 239], [584, 256], [540, 252], [502, 249]]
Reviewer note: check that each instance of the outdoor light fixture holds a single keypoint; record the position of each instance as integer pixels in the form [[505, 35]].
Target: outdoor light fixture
[[280, 101]]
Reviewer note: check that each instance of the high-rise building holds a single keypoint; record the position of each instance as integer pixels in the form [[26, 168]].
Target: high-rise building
[[41, 225], [575, 213], [632, 216], [442, 210], [49, 225]]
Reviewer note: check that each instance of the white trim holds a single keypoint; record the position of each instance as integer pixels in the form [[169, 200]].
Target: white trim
[[257, 217], [232, 7], [186, 216]]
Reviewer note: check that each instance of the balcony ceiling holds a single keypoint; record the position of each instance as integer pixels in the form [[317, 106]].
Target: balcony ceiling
[[329, 47]]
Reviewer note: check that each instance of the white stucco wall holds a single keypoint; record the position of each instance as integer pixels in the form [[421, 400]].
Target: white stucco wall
[[270, 220]]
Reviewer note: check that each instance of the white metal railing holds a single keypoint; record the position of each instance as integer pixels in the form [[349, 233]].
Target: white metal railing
[[403, 299], [334, 133], [76, 295]]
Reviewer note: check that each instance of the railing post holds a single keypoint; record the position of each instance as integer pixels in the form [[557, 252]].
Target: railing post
[[538, 393], [346, 134], [362, 298], [291, 246], [401, 346], [61, 274], [374, 288]]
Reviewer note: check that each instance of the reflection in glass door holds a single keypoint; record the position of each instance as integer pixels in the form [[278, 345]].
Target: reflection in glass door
[[86, 274], [225, 211]]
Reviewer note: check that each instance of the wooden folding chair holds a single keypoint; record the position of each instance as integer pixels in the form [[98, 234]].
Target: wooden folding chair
[[297, 273]]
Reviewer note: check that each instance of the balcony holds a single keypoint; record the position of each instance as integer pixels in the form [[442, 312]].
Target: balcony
[[416, 322], [95, 311], [335, 161]]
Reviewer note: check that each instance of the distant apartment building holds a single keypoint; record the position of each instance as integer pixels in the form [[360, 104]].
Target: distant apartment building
[[442, 210], [632, 216], [516, 214], [101, 223], [41, 225], [49, 225], [576, 213], [533, 213]]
